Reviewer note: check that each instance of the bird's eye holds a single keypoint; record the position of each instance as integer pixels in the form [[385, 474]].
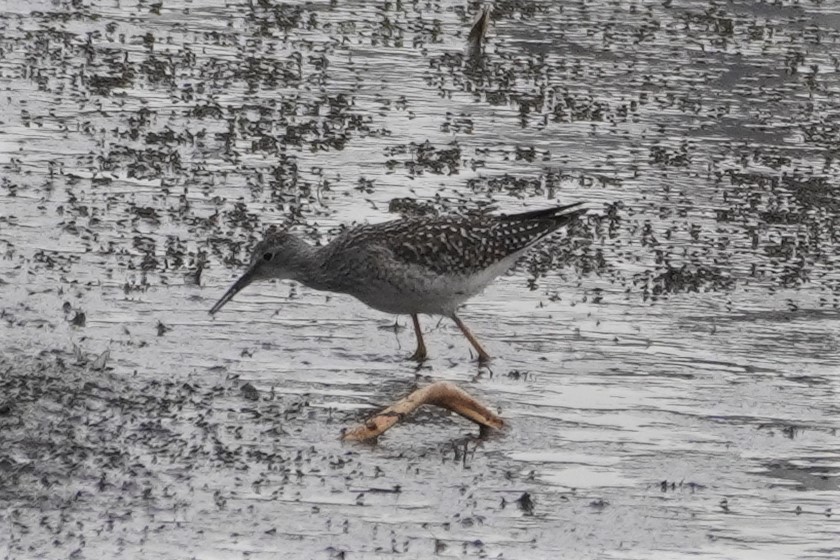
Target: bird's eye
[[267, 256]]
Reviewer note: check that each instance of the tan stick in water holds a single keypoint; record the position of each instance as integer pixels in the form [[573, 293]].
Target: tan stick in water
[[443, 394]]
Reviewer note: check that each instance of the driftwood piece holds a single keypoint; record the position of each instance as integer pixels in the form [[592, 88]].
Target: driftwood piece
[[443, 394]]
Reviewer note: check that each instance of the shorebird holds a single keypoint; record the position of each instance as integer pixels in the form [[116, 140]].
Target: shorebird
[[428, 265]]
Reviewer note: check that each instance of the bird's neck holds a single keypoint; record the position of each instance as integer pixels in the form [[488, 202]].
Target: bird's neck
[[308, 268]]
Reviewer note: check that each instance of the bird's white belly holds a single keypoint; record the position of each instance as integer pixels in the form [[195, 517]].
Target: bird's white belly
[[421, 291]]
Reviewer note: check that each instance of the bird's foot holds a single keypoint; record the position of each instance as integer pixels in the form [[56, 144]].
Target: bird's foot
[[419, 355]]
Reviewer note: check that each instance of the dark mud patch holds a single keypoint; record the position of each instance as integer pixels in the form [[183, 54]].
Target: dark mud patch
[[685, 330]]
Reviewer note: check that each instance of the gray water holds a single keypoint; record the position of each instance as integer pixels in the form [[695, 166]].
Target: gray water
[[668, 368]]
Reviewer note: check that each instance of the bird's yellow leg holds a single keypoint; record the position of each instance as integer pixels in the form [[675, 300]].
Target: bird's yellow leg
[[483, 356], [419, 354]]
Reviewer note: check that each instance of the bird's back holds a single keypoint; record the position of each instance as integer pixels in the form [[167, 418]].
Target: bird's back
[[451, 245]]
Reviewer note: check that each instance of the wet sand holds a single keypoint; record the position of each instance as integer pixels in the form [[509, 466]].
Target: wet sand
[[668, 368]]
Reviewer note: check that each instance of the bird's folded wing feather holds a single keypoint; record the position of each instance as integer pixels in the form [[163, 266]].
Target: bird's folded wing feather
[[464, 245]]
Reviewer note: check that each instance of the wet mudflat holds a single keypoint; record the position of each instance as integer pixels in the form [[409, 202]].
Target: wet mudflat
[[669, 368]]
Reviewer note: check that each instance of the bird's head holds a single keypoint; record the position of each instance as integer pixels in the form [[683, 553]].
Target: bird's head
[[277, 256]]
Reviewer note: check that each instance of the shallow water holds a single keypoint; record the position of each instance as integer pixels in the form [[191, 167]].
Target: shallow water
[[669, 368]]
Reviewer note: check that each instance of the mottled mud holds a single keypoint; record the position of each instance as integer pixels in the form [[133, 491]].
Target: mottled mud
[[668, 368]]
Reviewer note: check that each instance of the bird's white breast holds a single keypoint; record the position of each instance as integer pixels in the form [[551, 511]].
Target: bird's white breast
[[423, 291]]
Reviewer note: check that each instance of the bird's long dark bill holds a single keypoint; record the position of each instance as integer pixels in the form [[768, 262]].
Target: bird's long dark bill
[[237, 287]]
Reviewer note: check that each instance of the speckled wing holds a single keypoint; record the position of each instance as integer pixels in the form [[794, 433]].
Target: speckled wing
[[467, 245]]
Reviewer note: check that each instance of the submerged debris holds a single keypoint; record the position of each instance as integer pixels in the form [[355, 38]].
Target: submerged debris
[[478, 32], [526, 503]]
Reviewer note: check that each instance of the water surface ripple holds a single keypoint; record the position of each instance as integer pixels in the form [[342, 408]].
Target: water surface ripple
[[669, 367]]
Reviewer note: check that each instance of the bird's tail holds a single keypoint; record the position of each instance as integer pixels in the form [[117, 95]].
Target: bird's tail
[[561, 215]]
